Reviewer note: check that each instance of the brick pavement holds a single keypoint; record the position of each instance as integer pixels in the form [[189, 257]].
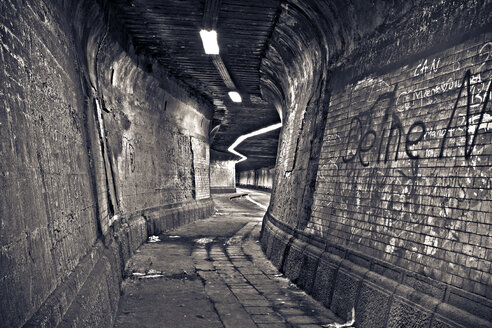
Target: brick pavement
[[213, 273]]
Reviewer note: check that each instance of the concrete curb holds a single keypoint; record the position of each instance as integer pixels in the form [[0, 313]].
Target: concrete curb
[[383, 295], [89, 296]]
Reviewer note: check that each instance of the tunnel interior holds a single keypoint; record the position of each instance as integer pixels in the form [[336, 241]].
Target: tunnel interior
[[116, 125]]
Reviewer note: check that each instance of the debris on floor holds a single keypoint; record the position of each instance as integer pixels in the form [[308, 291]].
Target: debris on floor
[[153, 239], [148, 275], [348, 324], [203, 241]]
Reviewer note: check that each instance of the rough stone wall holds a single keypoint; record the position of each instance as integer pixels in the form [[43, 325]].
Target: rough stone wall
[[157, 134], [260, 178], [201, 165], [394, 206], [405, 170], [99, 147], [223, 176], [48, 211], [246, 178]]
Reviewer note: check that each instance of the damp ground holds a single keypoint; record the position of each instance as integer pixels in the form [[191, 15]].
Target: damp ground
[[213, 273]]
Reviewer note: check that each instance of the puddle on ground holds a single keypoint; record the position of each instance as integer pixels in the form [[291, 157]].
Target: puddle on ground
[[203, 241]]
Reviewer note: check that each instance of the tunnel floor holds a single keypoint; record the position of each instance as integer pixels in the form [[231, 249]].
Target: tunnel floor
[[213, 273]]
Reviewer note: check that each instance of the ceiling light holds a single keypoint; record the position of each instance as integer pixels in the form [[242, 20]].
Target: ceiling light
[[249, 135], [236, 97], [209, 40]]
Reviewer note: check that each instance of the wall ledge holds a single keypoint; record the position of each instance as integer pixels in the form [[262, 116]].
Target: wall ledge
[[222, 190], [340, 278], [254, 187], [169, 217], [89, 296]]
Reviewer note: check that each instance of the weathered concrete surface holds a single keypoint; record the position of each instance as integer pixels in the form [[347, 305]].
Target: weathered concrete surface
[[89, 295], [98, 145], [342, 279], [213, 273], [257, 179], [223, 176], [384, 164]]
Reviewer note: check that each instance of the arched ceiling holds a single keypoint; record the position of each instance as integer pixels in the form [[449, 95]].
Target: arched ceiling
[[169, 31]]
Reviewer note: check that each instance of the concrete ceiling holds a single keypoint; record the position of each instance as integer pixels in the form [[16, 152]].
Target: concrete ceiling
[[168, 30]]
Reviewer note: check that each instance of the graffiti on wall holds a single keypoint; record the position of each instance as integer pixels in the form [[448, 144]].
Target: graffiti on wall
[[383, 167], [361, 138]]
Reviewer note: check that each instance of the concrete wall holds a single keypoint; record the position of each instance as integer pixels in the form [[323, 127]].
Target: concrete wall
[[382, 195], [99, 148], [260, 178], [222, 176], [48, 212]]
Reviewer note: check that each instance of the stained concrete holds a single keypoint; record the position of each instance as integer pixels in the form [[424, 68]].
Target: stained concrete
[[374, 168], [212, 273]]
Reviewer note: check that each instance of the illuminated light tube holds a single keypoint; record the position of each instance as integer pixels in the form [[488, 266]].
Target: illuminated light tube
[[209, 40], [249, 135], [235, 96]]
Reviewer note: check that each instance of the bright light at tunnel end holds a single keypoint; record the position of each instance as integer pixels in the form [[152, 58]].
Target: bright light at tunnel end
[[209, 40], [235, 96], [249, 135]]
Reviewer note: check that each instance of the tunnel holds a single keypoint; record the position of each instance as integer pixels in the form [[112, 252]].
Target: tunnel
[[366, 123]]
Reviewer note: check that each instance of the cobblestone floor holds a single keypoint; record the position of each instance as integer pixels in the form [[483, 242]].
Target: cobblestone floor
[[213, 273]]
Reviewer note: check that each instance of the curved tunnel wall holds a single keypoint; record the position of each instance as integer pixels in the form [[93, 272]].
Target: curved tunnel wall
[[260, 178], [99, 148], [222, 176], [381, 198]]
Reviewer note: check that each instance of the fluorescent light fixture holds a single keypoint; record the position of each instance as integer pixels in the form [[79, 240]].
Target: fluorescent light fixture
[[236, 97], [249, 135], [209, 40]]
